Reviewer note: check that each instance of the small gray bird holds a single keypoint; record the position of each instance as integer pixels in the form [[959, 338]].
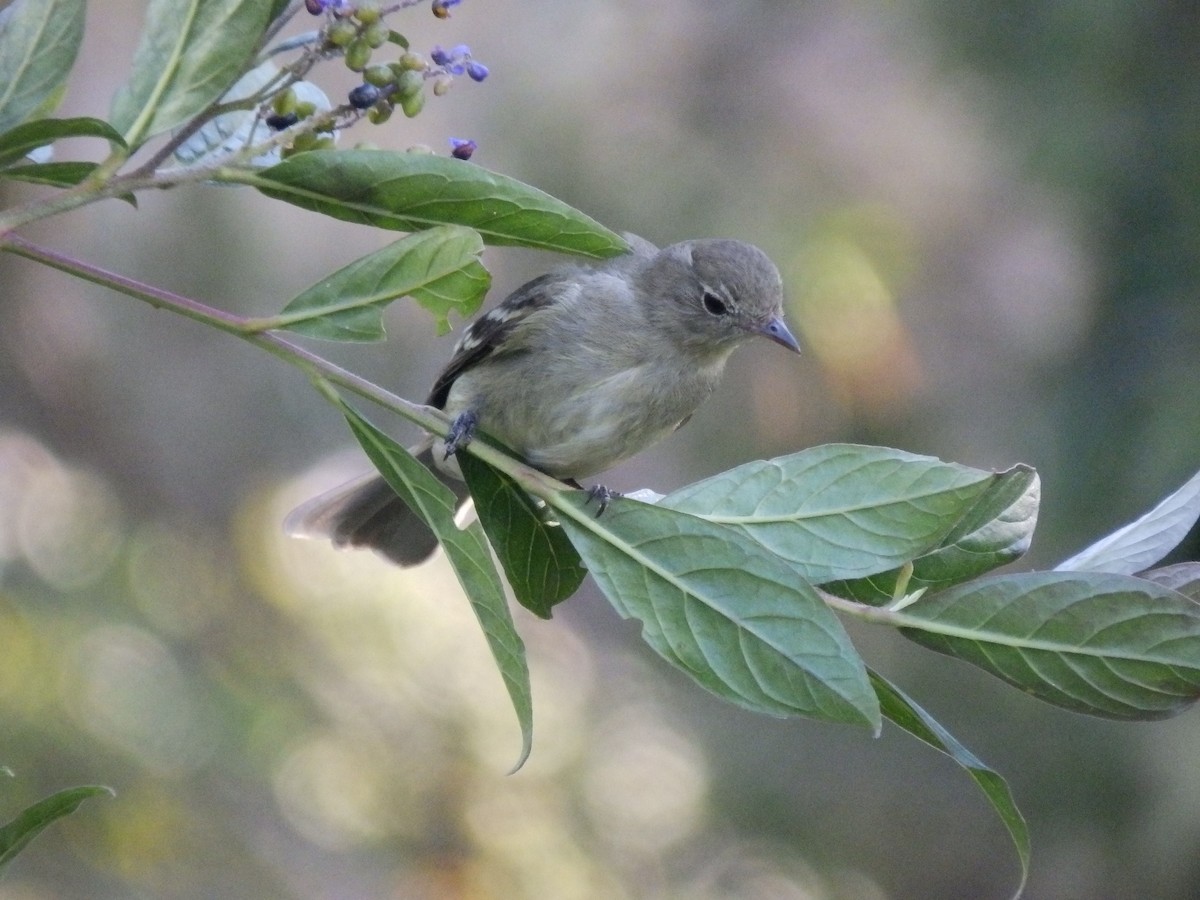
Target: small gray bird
[[575, 371]]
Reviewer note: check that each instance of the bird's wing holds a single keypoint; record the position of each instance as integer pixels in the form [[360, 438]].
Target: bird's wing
[[487, 335]]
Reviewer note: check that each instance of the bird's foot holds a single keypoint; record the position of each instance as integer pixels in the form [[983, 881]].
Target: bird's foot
[[462, 431], [603, 496]]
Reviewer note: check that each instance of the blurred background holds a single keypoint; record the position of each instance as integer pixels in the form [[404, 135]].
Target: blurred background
[[988, 219]]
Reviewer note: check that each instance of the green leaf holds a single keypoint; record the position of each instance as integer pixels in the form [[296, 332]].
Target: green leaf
[[1107, 645], [1142, 543], [842, 511], [29, 824], [191, 51], [410, 192], [1184, 578], [58, 174], [39, 40], [897, 707], [438, 268], [467, 550], [18, 142], [734, 617], [994, 530], [542, 566]]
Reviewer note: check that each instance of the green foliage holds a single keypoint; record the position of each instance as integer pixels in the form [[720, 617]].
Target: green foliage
[[408, 192], [467, 550], [736, 580], [1106, 645], [39, 40], [190, 53], [734, 618], [541, 564], [17, 834], [439, 268]]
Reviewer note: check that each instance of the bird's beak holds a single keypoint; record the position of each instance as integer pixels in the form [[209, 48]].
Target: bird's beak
[[776, 329]]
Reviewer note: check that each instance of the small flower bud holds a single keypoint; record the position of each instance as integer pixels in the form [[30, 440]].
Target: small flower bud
[[439, 56], [442, 85], [477, 71], [462, 149], [316, 7]]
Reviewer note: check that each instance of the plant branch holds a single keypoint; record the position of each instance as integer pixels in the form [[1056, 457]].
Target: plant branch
[[320, 371]]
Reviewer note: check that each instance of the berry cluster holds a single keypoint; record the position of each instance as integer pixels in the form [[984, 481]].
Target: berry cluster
[[355, 30]]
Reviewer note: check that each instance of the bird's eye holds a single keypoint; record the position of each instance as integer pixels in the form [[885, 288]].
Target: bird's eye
[[713, 304]]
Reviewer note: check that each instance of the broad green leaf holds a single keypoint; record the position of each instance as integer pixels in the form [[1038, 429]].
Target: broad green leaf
[[58, 174], [899, 708], [438, 268], [1142, 543], [1107, 645], [1182, 577], [995, 530], [542, 565], [410, 191], [18, 142], [31, 822], [39, 40], [734, 617], [467, 550], [190, 52], [842, 511]]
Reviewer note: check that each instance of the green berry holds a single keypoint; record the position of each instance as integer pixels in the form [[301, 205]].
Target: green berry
[[378, 75], [409, 84], [442, 85], [367, 13], [284, 102], [413, 104], [358, 55], [341, 33], [414, 61], [380, 113], [376, 35], [304, 109]]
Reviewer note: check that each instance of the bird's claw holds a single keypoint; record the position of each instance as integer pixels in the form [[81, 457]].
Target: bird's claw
[[603, 496], [462, 431]]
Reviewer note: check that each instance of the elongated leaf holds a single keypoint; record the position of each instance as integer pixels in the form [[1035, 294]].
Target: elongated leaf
[[734, 617], [841, 510], [1183, 578], [995, 530], [409, 192], [899, 708], [16, 143], [438, 268], [1142, 543], [542, 566], [1106, 645], [191, 51], [31, 822], [467, 551], [39, 40]]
